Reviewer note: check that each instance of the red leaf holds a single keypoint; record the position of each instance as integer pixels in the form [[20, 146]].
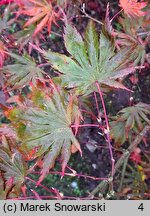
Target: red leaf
[[42, 13], [41, 25], [135, 156], [24, 190], [134, 79], [133, 8], [4, 2]]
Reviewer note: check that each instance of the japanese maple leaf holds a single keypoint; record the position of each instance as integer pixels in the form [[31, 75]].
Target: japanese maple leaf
[[91, 60], [128, 37], [41, 12], [133, 7], [130, 120], [22, 72], [43, 125], [13, 168], [3, 54]]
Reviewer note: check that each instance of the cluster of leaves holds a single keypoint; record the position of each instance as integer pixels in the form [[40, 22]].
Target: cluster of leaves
[[44, 112], [41, 14], [40, 11]]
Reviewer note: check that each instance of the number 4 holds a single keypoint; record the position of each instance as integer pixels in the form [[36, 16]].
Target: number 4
[[141, 207]]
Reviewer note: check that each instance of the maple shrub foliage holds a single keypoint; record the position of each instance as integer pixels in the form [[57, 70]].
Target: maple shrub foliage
[[46, 94]]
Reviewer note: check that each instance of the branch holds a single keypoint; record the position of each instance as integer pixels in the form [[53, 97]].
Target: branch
[[107, 130], [88, 16], [102, 185]]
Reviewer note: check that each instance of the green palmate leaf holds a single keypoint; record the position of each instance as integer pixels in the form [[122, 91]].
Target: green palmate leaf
[[135, 116], [130, 119], [130, 37], [12, 165], [23, 72], [91, 60], [48, 128], [118, 132], [6, 188], [137, 49], [12, 169]]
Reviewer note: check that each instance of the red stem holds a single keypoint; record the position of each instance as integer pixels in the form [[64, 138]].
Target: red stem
[[86, 125], [116, 15], [53, 197], [47, 189], [98, 112], [73, 175], [107, 132], [44, 64]]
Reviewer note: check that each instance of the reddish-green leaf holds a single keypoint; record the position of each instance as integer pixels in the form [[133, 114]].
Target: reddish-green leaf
[[130, 120], [41, 12], [91, 60], [22, 73], [129, 37], [47, 128], [12, 169]]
